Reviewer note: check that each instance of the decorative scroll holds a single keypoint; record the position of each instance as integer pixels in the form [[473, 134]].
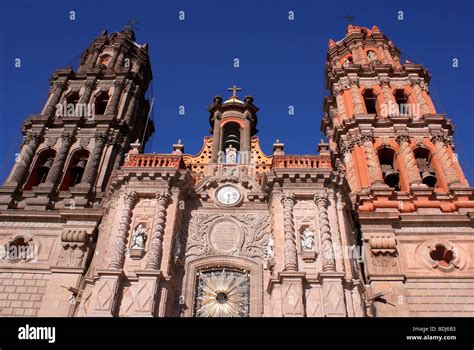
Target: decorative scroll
[[194, 163]]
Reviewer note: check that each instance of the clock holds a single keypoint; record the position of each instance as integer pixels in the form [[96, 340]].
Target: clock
[[228, 195]]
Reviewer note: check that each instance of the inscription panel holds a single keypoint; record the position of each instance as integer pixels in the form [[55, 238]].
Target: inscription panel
[[225, 236]]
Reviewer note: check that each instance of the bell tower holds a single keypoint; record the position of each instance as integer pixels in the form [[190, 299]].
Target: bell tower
[[233, 123], [408, 189], [85, 128]]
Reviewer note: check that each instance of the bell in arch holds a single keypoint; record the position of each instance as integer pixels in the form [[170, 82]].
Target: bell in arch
[[391, 176], [80, 165], [46, 165], [428, 178]]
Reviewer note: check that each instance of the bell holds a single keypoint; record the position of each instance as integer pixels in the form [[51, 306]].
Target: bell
[[47, 164], [391, 178], [428, 178], [81, 164]]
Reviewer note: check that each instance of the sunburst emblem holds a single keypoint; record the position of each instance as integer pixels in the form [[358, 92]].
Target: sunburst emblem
[[222, 294]]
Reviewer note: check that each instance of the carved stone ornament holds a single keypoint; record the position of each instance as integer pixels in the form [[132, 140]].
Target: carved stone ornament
[[212, 234]]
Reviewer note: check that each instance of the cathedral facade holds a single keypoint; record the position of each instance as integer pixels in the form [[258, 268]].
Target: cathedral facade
[[378, 223]]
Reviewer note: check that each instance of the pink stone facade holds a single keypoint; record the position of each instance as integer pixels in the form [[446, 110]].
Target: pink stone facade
[[378, 223]]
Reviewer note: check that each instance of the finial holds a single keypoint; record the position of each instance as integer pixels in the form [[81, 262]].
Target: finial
[[131, 25], [234, 90], [248, 99]]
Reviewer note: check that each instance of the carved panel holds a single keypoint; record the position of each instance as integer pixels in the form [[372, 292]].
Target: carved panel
[[211, 234]]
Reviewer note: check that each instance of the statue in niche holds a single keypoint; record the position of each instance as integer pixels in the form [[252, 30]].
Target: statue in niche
[[231, 155], [307, 240], [270, 245], [139, 237]]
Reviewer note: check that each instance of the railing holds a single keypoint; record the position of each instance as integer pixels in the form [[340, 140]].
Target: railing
[[154, 161], [301, 162]]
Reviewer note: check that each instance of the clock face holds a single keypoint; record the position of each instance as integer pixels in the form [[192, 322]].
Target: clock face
[[228, 195]]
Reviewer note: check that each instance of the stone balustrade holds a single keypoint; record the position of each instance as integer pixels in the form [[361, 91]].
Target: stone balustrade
[[301, 161], [154, 161]]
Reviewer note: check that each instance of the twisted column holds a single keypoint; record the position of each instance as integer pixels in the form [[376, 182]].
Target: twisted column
[[350, 169], [359, 107], [441, 144], [118, 86], [409, 160], [366, 141], [358, 54], [60, 159], [58, 89], [86, 96], [95, 55], [90, 171], [383, 54], [114, 57], [329, 262], [391, 103], [30, 144], [156, 245], [290, 257], [420, 99], [129, 115], [120, 58], [341, 107], [118, 254]]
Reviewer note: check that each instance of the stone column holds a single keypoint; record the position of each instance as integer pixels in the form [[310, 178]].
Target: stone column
[[156, 244], [31, 143], [366, 141], [216, 139], [86, 96], [418, 92], [389, 99], [59, 87], [383, 54], [358, 54], [409, 160], [291, 257], [92, 165], [357, 102], [322, 201], [341, 106], [441, 143], [120, 247], [112, 106], [120, 58], [130, 114], [245, 141], [113, 60], [93, 58], [60, 159], [351, 175], [121, 146]]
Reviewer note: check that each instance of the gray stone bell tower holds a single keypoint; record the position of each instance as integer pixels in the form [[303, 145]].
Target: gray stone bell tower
[[85, 128]]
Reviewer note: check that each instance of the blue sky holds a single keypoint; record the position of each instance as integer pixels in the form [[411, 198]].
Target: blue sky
[[281, 62]]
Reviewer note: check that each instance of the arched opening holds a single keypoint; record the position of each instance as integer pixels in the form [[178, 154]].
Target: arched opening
[[75, 169], [40, 171], [72, 100], [105, 59], [348, 61], [231, 136], [101, 101], [390, 173], [370, 101], [424, 161], [402, 101], [372, 56]]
